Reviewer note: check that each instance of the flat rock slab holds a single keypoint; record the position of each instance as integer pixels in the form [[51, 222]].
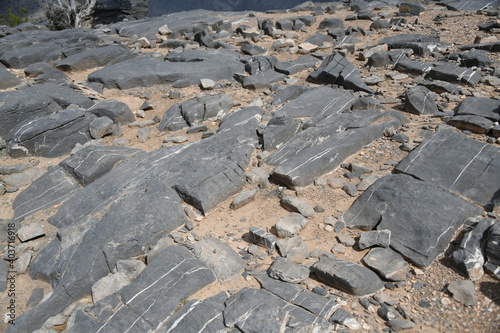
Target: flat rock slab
[[117, 111], [197, 316], [195, 111], [454, 162], [8, 80], [52, 135], [452, 73], [144, 304], [145, 72], [474, 124], [256, 310], [418, 100], [226, 263], [466, 5], [479, 106], [285, 270], [347, 276], [204, 174], [389, 264], [421, 216], [320, 149], [336, 69], [102, 56], [289, 226], [52, 188], [297, 65], [92, 162]]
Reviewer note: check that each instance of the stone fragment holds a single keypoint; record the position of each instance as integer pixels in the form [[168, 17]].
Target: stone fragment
[[474, 124], [291, 225], [343, 317], [257, 175], [347, 276], [243, 199], [387, 263], [100, 127], [263, 238], [285, 270], [117, 111], [418, 100], [400, 324], [493, 245], [463, 292], [374, 238], [225, 262], [468, 258], [109, 285], [293, 248], [30, 232], [452, 73]]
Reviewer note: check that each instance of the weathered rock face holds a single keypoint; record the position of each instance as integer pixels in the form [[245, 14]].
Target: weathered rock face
[[111, 11]]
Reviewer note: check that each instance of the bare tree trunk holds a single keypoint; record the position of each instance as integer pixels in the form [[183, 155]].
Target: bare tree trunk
[[75, 12]]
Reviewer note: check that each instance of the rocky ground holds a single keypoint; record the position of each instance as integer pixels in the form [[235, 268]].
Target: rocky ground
[[328, 168]]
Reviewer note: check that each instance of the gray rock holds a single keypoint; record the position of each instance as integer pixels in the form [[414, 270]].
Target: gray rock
[[350, 189], [463, 292], [256, 310], [293, 248], [345, 240], [374, 238], [8, 80], [294, 204], [400, 324], [252, 49], [284, 270], [387, 263], [195, 111], [322, 148], [143, 134], [220, 257], [23, 178], [463, 5], [472, 172], [109, 285], [35, 298], [468, 258], [289, 226], [331, 23], [87, 235], [52, 188], [279, 130], [30, 232], [145, 72], [243, 199], [289, 93], [452, 73], [100, 127], [24, 261], [261, 79], [366, 182], [257, 175], [418, 100], [474, 124], [198, 316], [416, 67], [386, 58], [263, 238], [102, 56], [285, 291], [117, 111], [295, 66], [15, 168], [417, 213], [493, 245], [479, 106], [174, 276], [336, 69], [347, 276], [51, 135], [440, 87], [93, 162], [343, 317], [4, 270], [410, 8], [131, 267], [54, 76], [320, 306]]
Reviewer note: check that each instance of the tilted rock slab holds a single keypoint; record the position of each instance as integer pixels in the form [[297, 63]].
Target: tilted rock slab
[[134, 205], [151, 298], [456, 163], [421, 216]]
